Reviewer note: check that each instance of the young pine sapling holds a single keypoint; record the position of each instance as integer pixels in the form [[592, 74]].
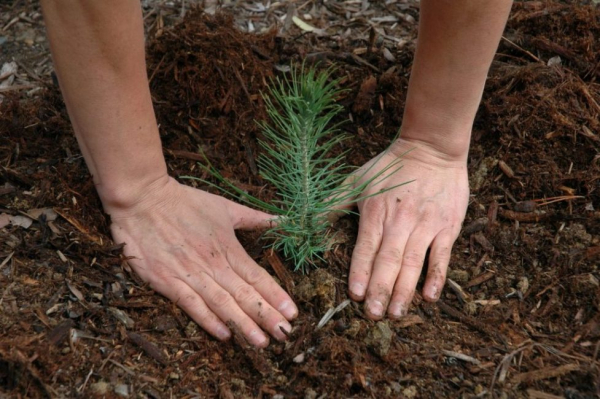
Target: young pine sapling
[[310, 183]]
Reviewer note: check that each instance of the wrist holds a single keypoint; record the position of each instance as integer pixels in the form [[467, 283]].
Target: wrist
[[119, 198], [446, 135], [424, 148]]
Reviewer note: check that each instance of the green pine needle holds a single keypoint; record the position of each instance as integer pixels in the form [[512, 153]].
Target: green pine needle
[[296, 162]]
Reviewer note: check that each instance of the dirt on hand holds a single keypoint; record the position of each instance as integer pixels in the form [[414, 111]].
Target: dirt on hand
[[520, 319]]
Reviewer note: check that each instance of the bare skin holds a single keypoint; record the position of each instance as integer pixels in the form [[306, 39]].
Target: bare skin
[[183, 240], [456, 45]]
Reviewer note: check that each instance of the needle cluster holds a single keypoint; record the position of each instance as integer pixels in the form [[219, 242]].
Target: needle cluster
[[296, 160]]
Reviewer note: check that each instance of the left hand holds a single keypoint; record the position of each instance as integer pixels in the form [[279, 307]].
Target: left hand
[[397, 227]]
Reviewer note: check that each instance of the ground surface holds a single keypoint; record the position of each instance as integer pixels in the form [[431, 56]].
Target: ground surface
[[520, 320]]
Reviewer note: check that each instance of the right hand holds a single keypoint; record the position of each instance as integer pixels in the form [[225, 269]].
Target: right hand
[[182, 242]]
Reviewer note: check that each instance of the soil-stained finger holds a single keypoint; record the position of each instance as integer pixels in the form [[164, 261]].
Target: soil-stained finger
[[439, 259], [410, 271], [370, 232], [263, 282], [191, 303], [225, 307], [385, 270]]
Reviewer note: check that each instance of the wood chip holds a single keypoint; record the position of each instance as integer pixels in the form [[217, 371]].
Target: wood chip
[[387, 54], [457, 289], [483, 241], [255, 355], [122, 317], [75, 223], [507, 170], [525, 206], [588, 133], [75, 291], [533, 394], [476, 226], [48, 213], [148, 347], [461, 356], [61, 256], [6, 189], [481, 278], [365, 96], [545, 373], [331, 312], [59, 333], [408, 320], [592, 252], [282, 272], [523, 217]]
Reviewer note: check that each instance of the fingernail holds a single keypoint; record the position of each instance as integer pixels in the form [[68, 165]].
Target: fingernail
[[434, 292], [358, 289], [376, 308], [397, 310], [223, 333], [288, 309], [257, 338]]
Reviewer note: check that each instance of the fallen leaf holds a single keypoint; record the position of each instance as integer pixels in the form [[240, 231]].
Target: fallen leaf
[[78, 294], [49, 213], [303, 25], [122, 317], [22, 221], [4, 220]]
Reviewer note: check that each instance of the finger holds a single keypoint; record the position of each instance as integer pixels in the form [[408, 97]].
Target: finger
[[225, 307], [262, 281], [253, 304], [410, 271], [367, 244], [192, 304], [245, 218], [385, 270], [439, 258]]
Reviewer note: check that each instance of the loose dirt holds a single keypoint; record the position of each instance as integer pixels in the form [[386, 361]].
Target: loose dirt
[[519, 319]]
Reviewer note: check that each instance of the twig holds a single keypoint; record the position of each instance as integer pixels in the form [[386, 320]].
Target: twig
[[5, 261], [523, 50], [281, 271], [82, 387], [545, 373], [156, 69], [522, 216], [477, 325], [16, 87], [462, 295], [461, 356], [6, 291], [148, 347], [126, 369], [331, 312]]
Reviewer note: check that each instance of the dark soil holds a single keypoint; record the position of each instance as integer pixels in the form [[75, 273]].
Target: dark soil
[[75, 322]]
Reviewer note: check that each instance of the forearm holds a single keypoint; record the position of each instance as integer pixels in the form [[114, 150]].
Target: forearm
[[98, 53], [456, 44]]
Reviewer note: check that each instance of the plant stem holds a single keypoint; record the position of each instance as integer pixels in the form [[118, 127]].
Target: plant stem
[[305, 218]]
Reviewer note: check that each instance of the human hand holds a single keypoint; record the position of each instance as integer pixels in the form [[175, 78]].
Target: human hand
[[397, 227], [183, 243]]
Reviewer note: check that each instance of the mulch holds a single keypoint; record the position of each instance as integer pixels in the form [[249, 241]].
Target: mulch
[[519, 316]]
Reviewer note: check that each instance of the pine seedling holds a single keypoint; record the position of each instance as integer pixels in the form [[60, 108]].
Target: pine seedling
[[296, 161]]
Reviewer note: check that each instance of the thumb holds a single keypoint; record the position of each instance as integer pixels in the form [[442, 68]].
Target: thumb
[[245, 218]]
